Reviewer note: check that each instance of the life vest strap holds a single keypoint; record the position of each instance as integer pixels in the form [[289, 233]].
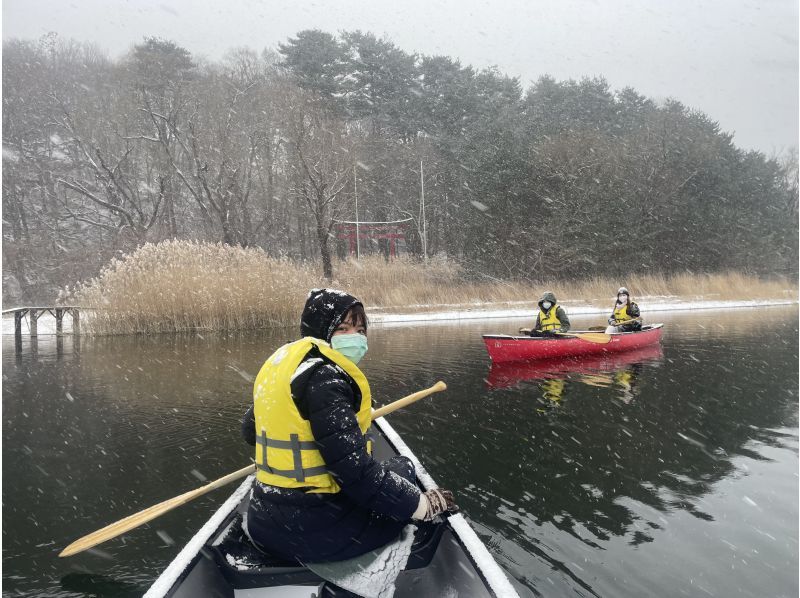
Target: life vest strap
[[303, 445], [295, 445], [294, 474]]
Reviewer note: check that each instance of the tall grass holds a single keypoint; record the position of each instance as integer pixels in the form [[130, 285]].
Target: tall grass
[[184, 285]]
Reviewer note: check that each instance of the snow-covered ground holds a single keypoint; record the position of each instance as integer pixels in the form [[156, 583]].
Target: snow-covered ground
[[647, 306], [429, 313]]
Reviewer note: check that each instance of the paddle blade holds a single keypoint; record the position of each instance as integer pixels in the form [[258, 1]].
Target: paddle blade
[[123, 525], [595, 337], [592, 337], [133, 521]]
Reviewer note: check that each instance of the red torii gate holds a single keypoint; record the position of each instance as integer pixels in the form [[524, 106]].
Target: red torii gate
[[352, 231]]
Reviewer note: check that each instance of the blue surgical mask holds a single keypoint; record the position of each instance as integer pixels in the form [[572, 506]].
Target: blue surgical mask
[[546, 305], [353, 346]]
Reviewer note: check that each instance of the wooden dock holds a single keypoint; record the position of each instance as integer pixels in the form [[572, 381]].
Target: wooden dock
[[34, 313]]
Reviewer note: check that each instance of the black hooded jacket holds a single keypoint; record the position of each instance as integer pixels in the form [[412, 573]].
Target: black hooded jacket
[[326, 396], [560, 314]]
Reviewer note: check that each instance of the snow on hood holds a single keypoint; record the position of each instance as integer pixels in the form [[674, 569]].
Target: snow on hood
[[324, 311]]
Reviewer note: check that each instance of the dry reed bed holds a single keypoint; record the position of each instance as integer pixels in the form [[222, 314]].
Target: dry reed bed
[[184, 285]]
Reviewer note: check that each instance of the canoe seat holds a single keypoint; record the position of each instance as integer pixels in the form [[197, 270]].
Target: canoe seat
[[245, 566]]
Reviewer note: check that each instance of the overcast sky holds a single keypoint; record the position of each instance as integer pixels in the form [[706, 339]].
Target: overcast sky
[[735, 60]]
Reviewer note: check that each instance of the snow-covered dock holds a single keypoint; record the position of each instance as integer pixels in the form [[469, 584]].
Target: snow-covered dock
[[27, 320]]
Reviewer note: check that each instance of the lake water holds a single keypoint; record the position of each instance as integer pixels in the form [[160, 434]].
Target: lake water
[[667, 472]]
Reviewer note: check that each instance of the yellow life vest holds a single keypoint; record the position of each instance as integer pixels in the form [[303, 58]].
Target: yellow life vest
[[621, 314], [286, 452], [549, 320]]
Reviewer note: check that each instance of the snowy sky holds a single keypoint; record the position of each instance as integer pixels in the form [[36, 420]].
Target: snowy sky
[[736, 60]]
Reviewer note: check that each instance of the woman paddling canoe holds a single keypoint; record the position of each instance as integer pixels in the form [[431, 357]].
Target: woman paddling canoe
[[319, 494], [626, 311]]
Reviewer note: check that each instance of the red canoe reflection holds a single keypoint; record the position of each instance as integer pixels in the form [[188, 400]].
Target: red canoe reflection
[[503, 375]]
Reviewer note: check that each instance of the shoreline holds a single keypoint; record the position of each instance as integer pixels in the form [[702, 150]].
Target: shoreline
[[572, 310], [47, 324]]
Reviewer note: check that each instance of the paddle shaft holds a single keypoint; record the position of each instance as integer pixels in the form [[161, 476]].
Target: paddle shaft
[[627, 322], [133, 521], [387, 409]]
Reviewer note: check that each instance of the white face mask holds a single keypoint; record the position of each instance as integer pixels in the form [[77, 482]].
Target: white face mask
[[546, 305], [622, 298]]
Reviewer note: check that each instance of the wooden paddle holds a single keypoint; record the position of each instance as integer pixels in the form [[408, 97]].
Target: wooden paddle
[[593, 328], [627, 322], [412, 398], [133, 521]]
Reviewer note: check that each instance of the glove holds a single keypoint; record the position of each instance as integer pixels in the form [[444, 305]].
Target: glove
[[433, 503]]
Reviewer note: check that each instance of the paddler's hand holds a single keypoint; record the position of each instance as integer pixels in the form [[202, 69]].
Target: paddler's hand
[[433, 503]]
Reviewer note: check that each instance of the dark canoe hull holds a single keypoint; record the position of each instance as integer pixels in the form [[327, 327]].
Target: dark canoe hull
[[506, 348], [448, 557]]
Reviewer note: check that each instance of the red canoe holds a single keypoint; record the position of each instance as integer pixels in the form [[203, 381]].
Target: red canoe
[[504, 347]]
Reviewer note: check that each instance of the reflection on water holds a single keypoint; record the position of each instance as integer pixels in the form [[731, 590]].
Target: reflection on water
[[669, 472], [617, 371], [100, 586]]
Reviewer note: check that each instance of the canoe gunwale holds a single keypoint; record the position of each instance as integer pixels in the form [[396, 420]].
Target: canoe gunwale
[[567, 335], [495, 579], [181, 565]]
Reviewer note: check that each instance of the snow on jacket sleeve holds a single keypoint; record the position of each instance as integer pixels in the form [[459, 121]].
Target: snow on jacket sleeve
[[330, 399]]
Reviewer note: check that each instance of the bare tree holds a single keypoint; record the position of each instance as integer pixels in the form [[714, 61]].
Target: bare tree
[[324, 159]]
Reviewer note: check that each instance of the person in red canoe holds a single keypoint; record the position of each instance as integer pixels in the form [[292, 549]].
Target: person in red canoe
[[551, 317], [626, 311]]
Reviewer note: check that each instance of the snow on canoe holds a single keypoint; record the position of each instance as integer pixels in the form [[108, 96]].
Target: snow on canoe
[[504, 347], [447, 559]]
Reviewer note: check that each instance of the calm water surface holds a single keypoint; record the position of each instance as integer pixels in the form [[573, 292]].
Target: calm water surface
[[666, 472]]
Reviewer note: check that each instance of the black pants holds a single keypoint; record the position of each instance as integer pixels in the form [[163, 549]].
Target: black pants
[[318, 527]]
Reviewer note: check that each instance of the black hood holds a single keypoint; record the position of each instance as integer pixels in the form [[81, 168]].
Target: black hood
[[324, 311]]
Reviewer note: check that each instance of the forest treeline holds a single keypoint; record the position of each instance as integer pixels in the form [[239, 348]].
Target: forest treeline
[[560, 179]]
